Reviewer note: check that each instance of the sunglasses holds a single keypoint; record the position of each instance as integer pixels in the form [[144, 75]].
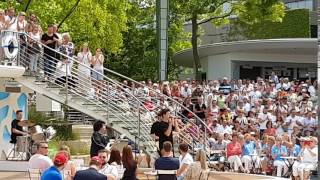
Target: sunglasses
[[44, 147], [102, 157]]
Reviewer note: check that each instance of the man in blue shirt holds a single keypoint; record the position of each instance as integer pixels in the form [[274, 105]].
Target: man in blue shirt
[[249, 153], [53, 173], [167, 162], [277, 151]]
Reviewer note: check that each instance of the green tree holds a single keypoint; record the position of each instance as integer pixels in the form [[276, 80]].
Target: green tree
[[219, 12]]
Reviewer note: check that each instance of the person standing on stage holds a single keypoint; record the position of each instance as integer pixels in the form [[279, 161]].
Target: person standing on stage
[[17, 130], [99, 139], [167, 125]]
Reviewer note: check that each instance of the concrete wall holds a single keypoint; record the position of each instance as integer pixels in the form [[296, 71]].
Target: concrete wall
[[218, 66], [9, 104]]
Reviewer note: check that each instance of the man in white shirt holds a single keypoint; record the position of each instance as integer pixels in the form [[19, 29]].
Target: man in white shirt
[[224, 128], [308, 159], [107, 169], [11, 19], [40, 160], [291, 121], [185, 160], [186, 91]]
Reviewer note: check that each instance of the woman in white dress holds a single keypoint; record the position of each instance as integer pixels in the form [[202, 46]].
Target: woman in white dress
[[34, 48], [84, 72]]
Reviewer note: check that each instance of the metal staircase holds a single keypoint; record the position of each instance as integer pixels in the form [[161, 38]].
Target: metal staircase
[[123, 108]]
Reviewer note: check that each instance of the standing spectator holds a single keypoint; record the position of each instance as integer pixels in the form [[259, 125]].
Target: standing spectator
[[278, 150], [274, 78], [93, 172], [66, 47], [34, 49], [185, 160], [129, 164], [97, 73], [70, 168], [3, 22], [234, 153], [40, 160], [84, 58], [99, 140], [167, 161], [225, 86], [21, 23], [50, 40], [11, 19], [54, 172]]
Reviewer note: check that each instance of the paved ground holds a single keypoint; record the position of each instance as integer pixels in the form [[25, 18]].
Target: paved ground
[[213, 176]]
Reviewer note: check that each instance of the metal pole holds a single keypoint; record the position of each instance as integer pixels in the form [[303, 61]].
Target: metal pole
[[162, 34], [139, 121], [108, 102]]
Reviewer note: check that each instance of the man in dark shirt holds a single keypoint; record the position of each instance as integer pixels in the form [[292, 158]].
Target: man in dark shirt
[[165, 128], [225, 86], [17, 130], [99, 139], [167, 162], [50, 40], [92, 173]]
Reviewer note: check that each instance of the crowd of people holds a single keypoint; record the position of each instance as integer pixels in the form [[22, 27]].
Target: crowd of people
[[262, 126], [253, 125]]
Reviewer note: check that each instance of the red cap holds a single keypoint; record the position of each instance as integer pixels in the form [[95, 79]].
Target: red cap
[[97, 159], [60, 158]]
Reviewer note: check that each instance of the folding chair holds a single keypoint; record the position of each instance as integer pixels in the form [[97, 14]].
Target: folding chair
[[34, 174], [166, 174]]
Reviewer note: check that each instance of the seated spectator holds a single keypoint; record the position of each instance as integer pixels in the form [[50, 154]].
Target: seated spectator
[[54, 172], [115, 160], [129, 164], [234, 153], [106, 168], [278, 150], [270, 131], [167, 161], [70, 168], [40, 160], [248, 149], [198, 169], [93, 171], [308, 159], [185, 160], [219, 145]]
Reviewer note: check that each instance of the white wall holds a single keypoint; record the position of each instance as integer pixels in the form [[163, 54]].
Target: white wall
[[219, 66], [265, 57]]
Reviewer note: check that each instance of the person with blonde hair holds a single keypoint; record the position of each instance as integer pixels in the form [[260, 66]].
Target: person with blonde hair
[[84, 72], [198, 169], [69, 170]]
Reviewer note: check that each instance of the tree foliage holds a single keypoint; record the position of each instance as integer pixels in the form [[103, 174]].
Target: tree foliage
[[295, 24], [220, 11]]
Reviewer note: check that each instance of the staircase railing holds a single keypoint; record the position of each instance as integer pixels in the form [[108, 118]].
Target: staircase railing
[[110, 97], [73, 82]]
